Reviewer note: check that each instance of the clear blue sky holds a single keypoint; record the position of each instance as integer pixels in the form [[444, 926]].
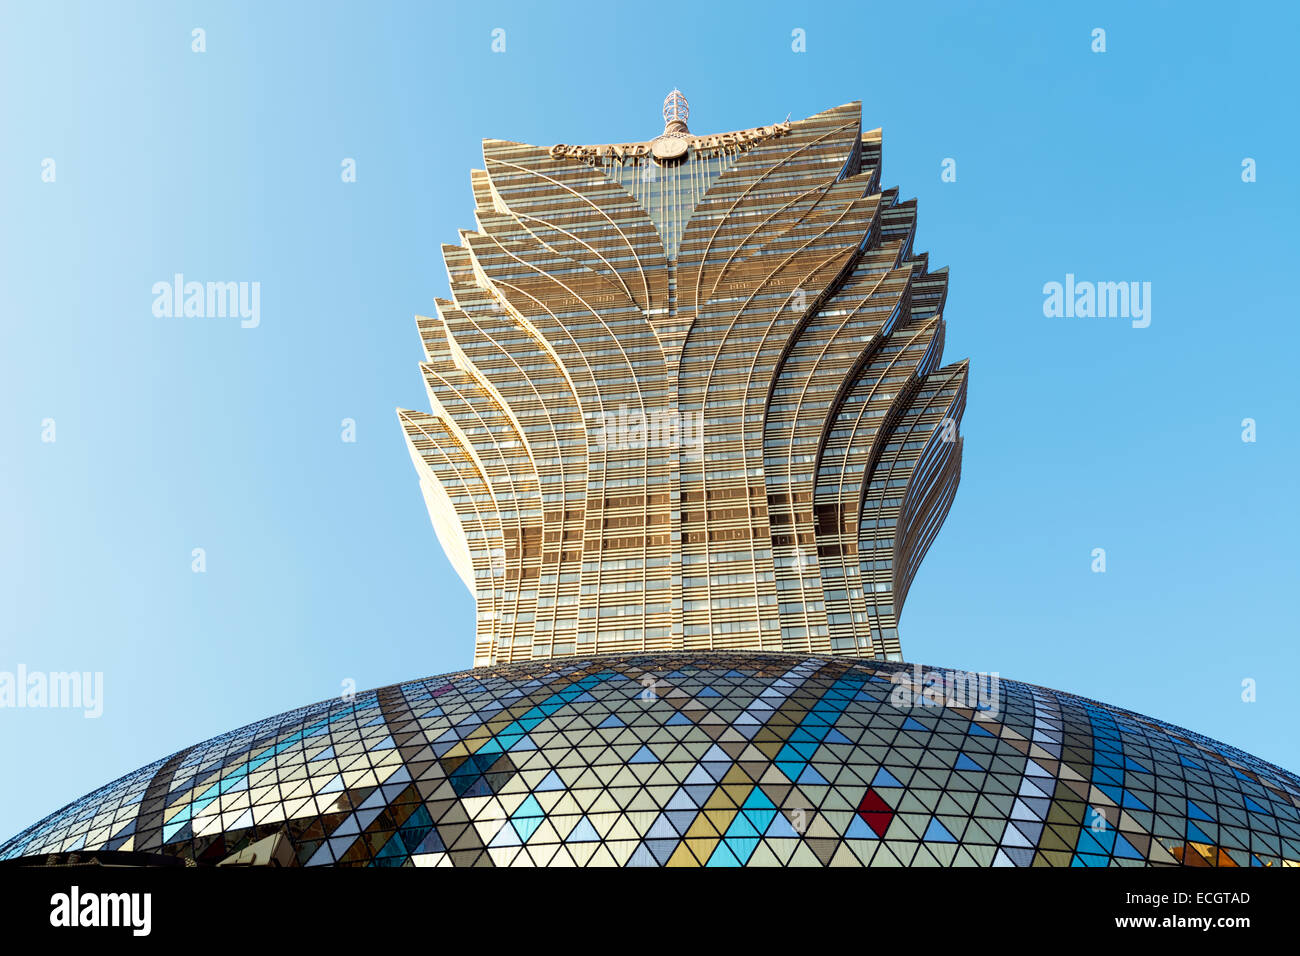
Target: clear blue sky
[[174, 434]]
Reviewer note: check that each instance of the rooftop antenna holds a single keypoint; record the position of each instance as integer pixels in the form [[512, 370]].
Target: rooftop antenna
[[676, 112]]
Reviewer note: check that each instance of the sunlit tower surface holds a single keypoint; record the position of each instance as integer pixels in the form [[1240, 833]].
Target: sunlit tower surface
[[689, 393]]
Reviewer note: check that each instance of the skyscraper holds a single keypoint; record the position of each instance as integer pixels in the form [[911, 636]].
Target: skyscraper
[[689, 394], [691, 435]]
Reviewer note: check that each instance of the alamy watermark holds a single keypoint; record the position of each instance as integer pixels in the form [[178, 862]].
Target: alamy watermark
[[127, 910], [980, 692], [208, 300], [628, 429], [71, 690], [1101, 300]]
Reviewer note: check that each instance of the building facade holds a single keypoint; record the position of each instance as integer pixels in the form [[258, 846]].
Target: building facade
[[690, 436], [712, 758], [689, 394]]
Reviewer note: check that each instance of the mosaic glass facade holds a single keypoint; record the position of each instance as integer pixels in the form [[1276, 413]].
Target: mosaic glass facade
[[710, 759]]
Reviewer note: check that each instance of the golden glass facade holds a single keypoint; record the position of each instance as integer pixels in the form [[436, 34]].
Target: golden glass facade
[[689, 395]]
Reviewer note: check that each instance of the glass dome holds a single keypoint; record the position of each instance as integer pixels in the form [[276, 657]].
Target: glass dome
[[713, 759]]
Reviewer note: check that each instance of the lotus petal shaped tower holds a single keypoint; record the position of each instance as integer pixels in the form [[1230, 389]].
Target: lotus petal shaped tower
[[689, 394]]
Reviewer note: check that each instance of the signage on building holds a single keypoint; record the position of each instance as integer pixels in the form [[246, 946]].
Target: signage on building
[[700, 145]]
